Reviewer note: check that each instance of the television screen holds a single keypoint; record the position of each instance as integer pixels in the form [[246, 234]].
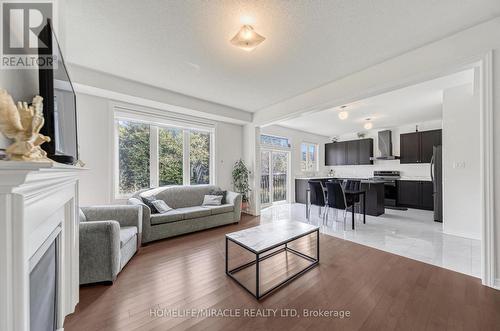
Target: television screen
[[59, 104]]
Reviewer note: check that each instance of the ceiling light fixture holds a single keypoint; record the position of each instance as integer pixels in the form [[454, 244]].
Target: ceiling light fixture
[[247, 39], [343, 115], [368, 125]]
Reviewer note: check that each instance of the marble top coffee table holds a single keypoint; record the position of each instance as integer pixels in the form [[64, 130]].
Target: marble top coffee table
[[273, 241]]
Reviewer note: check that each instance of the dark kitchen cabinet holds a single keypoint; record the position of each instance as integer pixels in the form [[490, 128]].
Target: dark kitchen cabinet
[[415, 194], [365, 151], [301, 186], [335, 154], [408, 193], [427, 196], [350, 152], [341, 153], [429, 139], [330, 154], [409, 148], [417, 147]]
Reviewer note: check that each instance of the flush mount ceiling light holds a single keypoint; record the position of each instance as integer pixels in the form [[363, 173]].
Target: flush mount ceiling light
[[343, 115], [247, 39], [368, 125]]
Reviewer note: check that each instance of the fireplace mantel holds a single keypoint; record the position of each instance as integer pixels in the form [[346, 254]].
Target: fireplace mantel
[[36, 199]]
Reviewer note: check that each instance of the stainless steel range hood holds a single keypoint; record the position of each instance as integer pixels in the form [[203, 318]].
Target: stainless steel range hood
[[385, 146]]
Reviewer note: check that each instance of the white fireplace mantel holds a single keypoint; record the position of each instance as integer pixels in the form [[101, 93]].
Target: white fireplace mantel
[[37, 199]]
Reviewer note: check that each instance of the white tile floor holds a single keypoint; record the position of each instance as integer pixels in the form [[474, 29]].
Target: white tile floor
[[411, 233]]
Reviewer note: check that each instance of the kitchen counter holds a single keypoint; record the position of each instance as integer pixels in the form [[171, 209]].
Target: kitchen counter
[[368, 180], [419, 178], [362, 179], [374, 189]]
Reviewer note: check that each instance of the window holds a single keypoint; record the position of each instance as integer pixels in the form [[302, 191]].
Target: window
[[133, 155], [199, 157], [150, 155], [309, 157], [274, 141], [170, 156]]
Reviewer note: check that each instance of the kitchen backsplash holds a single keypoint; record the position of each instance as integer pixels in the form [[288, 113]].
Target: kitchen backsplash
[[418, 171]]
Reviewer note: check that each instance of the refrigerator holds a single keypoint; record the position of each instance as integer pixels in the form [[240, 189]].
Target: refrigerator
[[437, 182]]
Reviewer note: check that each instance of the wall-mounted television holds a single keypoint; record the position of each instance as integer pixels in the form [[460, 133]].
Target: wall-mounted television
[[59, 102]]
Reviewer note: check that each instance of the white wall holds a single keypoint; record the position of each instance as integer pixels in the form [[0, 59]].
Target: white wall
[[296, 138], [408, 171], [95, 141], [461, 162]]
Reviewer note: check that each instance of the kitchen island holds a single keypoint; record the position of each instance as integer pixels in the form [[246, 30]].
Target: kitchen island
[[374, 189]]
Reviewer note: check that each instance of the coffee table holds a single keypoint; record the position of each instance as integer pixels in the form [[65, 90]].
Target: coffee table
[[275, 237]]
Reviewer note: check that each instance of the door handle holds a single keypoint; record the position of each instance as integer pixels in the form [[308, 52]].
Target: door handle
[[432, 168]]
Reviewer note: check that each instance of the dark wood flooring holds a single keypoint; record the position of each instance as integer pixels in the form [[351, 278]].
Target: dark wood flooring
[[382, 291]]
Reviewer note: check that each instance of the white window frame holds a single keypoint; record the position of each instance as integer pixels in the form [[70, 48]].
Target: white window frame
[[271, 146], [157, 119], [309, 164]]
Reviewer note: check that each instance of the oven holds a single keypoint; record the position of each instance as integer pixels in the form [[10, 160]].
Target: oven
[[390, 180]]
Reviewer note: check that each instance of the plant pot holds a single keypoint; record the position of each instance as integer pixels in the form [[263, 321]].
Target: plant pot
[[244, 205]]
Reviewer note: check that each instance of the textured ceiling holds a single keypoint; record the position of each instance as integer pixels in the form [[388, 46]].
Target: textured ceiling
[[183, 45], [410, 105]]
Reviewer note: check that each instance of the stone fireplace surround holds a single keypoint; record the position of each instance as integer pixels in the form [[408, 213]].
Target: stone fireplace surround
[[36, 200]]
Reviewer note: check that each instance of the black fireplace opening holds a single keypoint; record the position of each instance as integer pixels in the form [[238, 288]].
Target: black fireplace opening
[[43, 291]]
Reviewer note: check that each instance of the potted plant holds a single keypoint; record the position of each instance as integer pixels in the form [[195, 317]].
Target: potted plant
[[240, 182]]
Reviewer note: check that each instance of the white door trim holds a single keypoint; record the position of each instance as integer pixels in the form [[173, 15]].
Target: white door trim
[[488, 254]]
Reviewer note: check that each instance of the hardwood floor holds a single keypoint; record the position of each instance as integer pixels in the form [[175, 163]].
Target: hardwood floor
[[381, 291]]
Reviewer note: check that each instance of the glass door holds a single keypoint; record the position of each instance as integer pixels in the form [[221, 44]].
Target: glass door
[[265, 188], [274, 177]]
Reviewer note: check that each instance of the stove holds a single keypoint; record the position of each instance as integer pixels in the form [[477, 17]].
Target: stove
[[384, 175], [389, 178]]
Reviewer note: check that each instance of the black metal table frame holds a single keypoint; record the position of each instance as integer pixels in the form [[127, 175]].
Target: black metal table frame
[[360, 192], [259, 258]]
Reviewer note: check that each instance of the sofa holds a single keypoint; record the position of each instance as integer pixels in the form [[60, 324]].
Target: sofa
[[109, 237], [188, 215]]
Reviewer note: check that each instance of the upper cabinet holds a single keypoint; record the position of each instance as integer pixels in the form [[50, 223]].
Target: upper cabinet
[[365, 151], [417, 147], [350, 152]]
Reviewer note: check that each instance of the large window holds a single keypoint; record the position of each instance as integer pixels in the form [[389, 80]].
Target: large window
[[199, 157], [170, 156], [309, 157], [151, 154], [133, 156]]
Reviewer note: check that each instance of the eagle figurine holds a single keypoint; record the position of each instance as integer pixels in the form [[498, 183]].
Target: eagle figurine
[[22, 124]]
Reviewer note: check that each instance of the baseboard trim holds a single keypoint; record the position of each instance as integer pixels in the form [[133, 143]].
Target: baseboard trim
[[496, 284]]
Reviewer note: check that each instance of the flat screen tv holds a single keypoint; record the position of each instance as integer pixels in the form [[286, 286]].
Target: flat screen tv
[[59, 102]]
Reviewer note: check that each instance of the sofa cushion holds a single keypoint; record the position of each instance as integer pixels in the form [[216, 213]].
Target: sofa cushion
[[127, 233], [220, 192], [222, 209], [173, 215], [148, 201], [212, 200], [161, 206], [194, 212], [184, 196]]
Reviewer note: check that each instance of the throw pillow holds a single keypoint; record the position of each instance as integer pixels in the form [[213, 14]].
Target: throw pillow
[[148, 201], [219, 192], [161, 206], [212, 200]]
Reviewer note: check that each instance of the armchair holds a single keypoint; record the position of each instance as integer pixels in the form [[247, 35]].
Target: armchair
[[109, 237]]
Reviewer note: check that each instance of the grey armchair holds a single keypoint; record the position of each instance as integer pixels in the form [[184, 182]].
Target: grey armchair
[[109, 237]]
